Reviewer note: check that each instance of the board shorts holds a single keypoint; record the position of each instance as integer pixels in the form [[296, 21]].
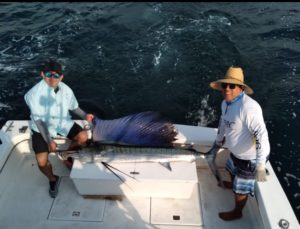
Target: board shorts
[[39, 145], [244, 174]]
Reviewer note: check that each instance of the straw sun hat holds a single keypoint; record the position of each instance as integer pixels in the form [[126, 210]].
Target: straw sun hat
[[234, 75]]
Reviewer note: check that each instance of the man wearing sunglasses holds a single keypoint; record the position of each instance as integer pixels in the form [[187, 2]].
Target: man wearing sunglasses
[[49, 102], [243, 132]]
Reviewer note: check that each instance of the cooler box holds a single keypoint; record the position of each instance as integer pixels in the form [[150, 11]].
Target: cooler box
[[147, 179]]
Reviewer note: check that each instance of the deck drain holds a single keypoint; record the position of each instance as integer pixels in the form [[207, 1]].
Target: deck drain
[[76, 213]]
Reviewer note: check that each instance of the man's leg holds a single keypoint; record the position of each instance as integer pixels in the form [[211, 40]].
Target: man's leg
[[228, 184], [78, 136], [45, 166], [243, 185], [231, 169], [236, 213], [40, 148], [79, 140]]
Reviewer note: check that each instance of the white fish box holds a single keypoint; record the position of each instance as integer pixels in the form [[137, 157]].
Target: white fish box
[[147, 179]]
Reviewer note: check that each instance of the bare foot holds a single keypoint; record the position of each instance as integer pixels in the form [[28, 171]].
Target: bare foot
[[232, 215]]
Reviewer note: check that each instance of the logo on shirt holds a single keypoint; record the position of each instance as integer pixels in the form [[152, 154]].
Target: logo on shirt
[[255, 134], [228, 124]]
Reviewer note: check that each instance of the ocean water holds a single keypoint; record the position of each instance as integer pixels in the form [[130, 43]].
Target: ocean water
[[123, 58]]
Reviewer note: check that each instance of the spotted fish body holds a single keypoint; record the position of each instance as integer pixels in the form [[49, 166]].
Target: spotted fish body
[[127, 154]]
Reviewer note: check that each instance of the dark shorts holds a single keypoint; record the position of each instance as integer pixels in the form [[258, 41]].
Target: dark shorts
[[39, 145]]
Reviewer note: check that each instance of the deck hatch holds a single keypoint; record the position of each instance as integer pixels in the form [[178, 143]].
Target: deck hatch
[[177, 211], [69, 205]]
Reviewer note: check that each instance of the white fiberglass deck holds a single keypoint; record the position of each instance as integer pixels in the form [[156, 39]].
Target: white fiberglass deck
[[25, 202]]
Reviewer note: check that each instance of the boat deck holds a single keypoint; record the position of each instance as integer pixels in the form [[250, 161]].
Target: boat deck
[[24, 200]]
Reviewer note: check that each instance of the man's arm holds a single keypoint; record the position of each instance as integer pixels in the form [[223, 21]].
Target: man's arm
[[46, 135], [83, 115], [257, 127], [79, 112], [43, 130], [220, 139]]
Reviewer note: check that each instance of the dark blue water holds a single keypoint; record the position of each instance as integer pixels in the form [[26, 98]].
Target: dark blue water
[[123, 58]]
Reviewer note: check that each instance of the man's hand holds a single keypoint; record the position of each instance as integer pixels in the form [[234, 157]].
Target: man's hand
[[260, 173], [89, 117], [52, 146], [218, 144]]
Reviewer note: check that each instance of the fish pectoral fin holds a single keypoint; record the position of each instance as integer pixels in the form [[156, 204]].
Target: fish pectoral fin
[[166, 164]]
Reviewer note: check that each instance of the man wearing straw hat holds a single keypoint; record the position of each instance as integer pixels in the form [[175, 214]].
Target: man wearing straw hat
[[243, 132]]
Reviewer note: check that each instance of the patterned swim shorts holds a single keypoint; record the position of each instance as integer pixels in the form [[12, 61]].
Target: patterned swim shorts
[[244, 174]]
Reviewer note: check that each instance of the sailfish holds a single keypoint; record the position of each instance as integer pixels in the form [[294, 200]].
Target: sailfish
[[140, 137], [149, 129]]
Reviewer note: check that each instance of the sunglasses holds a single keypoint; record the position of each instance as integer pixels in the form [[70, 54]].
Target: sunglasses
[[231, 86], [53, 75]]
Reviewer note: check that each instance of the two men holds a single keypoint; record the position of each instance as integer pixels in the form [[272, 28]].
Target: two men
[[243, 132], [50, 102], [242, 129]]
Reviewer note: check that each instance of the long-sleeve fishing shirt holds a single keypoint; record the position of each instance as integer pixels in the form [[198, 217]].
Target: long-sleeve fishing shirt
[[51, 107], [242, 125]]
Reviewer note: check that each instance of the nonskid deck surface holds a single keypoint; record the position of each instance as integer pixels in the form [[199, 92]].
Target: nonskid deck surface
[[24, 200]]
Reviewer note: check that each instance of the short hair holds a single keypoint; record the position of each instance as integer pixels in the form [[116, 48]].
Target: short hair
[[52, 65]]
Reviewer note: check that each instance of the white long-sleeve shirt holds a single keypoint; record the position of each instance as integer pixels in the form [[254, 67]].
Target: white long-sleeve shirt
[[51, 108], [242, 124]]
